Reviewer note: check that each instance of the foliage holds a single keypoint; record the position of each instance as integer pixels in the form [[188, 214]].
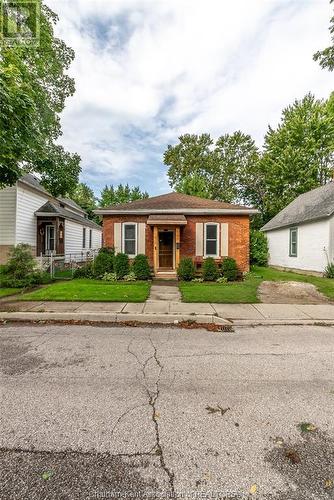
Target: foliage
[[33, 89], [229, 269], [130, 277], [197, 280], [103, 263], [121, 265], [222, 280], [259, 251], [21, 269], [121, 194], [210, 269], [329, 270], [109, 277], [186, 270], [197, 165], [141, 267], [84, 196], [326, 56], [298, 156], [86, 271]]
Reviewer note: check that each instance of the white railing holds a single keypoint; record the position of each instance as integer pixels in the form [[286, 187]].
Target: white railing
[[58, 264]]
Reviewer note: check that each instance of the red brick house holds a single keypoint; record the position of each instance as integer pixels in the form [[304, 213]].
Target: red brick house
[[171, 226]]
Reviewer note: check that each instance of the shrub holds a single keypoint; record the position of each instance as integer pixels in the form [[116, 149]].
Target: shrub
[[21, 269], [210, 269], [186, 270], [229, 269], [259, 251], [130, 277], [141, 267], [121, 265], [329, 270], [222, 280], [85, 271], [104, 262], [109, 277], [109, 250], [198, 280]]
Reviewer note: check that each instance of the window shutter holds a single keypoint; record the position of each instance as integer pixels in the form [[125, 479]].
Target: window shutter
[[118, 237], [224, 239], [199, 239], [141, 237]]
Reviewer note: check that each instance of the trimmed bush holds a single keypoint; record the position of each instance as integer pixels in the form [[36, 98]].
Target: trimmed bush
[[210, 269], [141, 267], [104, 262], [121, 265], [259, 251], [230, 269], [85, 271], [186, 270]]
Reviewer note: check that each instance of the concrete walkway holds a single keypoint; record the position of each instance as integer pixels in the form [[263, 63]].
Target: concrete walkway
[[164, 306]]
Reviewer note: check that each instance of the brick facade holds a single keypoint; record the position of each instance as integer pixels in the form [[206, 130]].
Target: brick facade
[[238, 235]]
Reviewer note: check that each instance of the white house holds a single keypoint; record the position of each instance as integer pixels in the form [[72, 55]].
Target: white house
[[29, 214], [301, 236]]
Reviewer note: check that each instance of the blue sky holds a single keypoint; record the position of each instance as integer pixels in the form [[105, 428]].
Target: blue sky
[[147, 71]]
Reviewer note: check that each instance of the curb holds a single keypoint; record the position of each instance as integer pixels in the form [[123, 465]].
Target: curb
[[171, 319]]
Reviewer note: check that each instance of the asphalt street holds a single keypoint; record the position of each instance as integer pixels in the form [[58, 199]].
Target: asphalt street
[[98, 412]]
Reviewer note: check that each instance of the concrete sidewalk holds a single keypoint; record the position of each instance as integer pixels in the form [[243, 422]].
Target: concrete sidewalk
[[162, 310]]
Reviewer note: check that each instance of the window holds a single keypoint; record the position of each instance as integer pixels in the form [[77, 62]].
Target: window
[[293, 242], [49, 239], [211, 240], [83, 237], [90, 238], [130, 239]]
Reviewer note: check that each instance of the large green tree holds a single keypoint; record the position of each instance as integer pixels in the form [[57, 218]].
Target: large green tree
[[297, 156], [84, 196], [325, 57], [197, 165], [111, 195], [33, 89]]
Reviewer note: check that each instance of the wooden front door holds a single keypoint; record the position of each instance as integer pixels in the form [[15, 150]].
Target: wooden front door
[[166, 249]]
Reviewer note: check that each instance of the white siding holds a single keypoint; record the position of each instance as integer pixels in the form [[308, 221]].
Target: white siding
[[313, 242], [74, 238], [96, 239], [28, 202], [7, 215]]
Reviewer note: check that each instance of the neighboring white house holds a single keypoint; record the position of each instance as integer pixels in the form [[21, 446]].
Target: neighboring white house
[[29, 214], [301, 236]]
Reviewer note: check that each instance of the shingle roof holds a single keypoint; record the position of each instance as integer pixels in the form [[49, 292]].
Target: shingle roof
[[51, 208], [71, 203], [34, 182], [315, 204], [174, 201]]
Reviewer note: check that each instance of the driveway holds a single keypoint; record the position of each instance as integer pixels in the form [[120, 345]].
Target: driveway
[[89, 412]]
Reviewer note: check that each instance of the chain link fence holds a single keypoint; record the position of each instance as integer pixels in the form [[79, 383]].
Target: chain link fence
[[63, 266]]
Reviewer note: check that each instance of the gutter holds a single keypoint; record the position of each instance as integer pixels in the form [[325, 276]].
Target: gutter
[[185, 211]]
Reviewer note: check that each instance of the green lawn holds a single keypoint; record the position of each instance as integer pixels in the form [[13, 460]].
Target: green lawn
[[246, 291], [92, 290], [4, 292]]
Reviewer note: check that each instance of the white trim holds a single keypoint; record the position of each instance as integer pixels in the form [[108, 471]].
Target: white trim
[[216, 255], [131, 256], [193, 211]]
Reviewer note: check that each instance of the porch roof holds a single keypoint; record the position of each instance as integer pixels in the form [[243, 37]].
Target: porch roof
[[51, 210], [167, 219]]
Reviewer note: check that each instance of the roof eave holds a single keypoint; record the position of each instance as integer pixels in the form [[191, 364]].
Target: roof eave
[[185, 211]]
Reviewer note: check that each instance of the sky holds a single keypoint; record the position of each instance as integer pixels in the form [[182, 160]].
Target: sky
[[147, 71]]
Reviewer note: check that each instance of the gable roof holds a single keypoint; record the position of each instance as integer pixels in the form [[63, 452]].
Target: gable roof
[[71, 203], [50, 208], [174, 203], [315, 204]]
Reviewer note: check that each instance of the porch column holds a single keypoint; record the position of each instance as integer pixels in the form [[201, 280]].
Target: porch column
[[177, 245], [155, 248]]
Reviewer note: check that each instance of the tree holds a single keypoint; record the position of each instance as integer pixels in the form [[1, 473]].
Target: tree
[[298, 156], [197, 164], [84, 196], [33, 89], [326, 56], [120, 194]]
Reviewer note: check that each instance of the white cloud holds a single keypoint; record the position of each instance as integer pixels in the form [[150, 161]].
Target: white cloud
[[147, 71]]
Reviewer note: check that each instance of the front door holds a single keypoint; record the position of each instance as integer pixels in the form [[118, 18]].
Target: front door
[[166, 249]]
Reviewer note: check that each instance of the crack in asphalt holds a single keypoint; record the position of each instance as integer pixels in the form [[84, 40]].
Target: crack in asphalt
[[69, 451], [152, 400]]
